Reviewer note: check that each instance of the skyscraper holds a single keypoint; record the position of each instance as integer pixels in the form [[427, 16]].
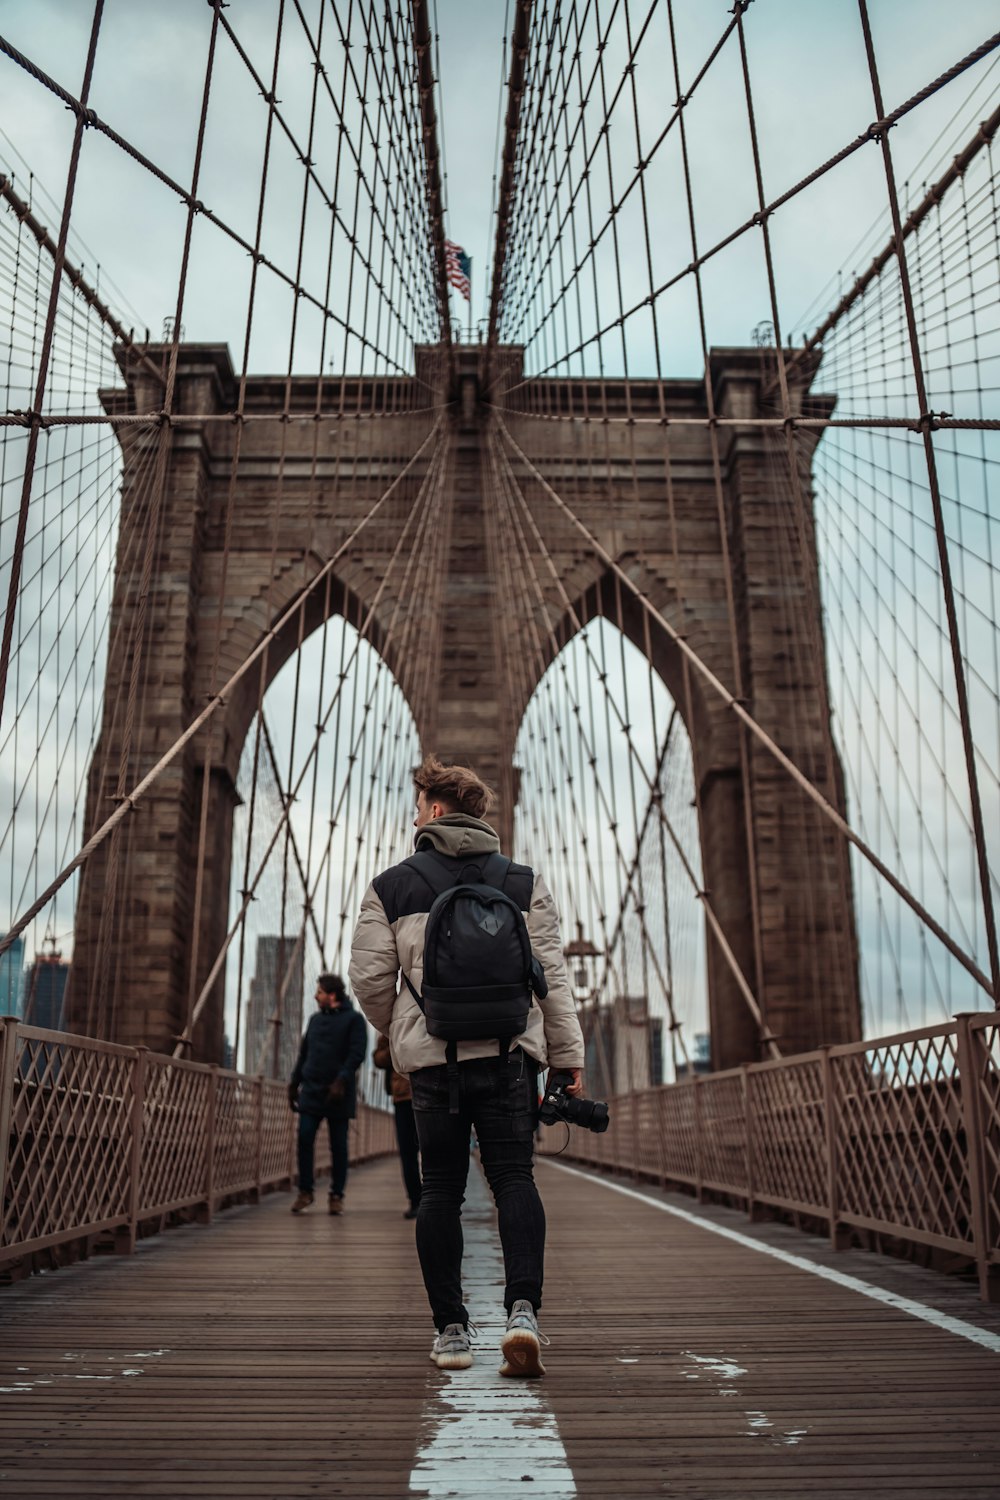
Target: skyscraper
[[276, 957], [12, 978], [45, 990]]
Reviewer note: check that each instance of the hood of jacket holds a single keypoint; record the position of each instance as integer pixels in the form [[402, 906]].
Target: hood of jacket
[[458, 835], [324, 1013]]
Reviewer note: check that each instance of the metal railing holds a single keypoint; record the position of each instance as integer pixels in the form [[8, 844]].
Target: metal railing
[[899, 1137], [97, 1138]]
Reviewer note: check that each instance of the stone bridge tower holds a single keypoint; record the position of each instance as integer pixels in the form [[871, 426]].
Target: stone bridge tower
[[327, 473]]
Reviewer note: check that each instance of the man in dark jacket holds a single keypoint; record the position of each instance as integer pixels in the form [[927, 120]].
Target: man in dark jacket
[[322, 1086]]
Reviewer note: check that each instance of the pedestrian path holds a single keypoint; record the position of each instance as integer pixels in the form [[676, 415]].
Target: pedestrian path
[[268, 1355]]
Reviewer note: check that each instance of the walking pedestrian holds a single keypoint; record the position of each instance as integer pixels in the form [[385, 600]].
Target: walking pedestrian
[[482, 1079], [406, 1130], [323, 1086]]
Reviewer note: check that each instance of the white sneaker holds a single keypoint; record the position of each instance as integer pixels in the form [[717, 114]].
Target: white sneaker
[[521, 1345], [451, 1349]]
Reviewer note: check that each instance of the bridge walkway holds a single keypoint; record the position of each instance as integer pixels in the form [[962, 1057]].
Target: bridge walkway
[[268, 1355]]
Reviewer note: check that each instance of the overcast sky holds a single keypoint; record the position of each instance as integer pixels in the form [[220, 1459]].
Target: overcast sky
[[811, 90]]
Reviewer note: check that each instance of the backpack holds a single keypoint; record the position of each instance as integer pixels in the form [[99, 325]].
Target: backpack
[[479, 970]]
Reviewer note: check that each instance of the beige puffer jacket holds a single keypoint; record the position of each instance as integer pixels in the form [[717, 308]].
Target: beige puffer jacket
[[553, 1036]]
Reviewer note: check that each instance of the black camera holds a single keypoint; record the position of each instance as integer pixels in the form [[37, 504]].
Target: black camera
[[592, 1114]]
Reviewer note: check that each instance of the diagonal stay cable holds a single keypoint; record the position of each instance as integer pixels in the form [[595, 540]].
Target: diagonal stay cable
[[985, 133], [717, 687], [43, 360], [289, 799], [131, 800], [304, 154], [293, 843], [655, 804], [524, 580], [727, 952], [506, 487], [88, 117], [420, 589], [944, 556], [874, 133], [73, 275]]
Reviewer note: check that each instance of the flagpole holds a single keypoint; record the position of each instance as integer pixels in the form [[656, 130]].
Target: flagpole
[[470, 299]]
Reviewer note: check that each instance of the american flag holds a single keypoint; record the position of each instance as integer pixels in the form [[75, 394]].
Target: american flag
[[458, 267]]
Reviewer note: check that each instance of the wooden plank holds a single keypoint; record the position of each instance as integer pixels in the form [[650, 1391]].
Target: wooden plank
[[280, 1356]]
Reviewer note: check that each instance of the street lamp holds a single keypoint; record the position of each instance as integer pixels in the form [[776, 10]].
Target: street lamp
[[579, 955]]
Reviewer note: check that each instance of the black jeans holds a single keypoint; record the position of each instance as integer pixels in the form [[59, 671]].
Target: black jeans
[[308, 1130], [499, 1100], [409, 1149]]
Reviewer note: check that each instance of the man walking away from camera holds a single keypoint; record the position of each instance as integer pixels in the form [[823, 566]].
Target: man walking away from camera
[[398, 1086], [322, 1086], [490, 1085]]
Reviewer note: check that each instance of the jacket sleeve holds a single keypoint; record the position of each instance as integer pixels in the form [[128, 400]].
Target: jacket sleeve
[[563, 1036], [374, 962], [357, 1046], [300, 1061]]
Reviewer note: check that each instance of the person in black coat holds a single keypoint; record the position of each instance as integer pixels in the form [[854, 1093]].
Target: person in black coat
[[323, 1086]]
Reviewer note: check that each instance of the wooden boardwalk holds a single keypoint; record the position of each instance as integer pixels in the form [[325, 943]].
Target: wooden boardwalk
[[274, 1356]]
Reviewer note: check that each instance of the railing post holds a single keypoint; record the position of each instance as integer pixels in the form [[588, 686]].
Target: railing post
[[293, 1131], [125, 1239], [661, 1131], [831, 1117], [748, 1135], [213, 1086], [258, 1171], [8, 1070], [699, 1155], [972, 1119]]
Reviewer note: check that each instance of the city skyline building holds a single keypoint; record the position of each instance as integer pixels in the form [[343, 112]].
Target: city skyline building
[[12, 978], [276, 990], [45, 990]]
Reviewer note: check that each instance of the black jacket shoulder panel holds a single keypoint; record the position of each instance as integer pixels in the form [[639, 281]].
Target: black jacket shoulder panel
[[403, 891], [519, 884]]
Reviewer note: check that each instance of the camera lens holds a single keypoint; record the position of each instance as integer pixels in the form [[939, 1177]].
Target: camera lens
[[592, 1114], [589, 1114]]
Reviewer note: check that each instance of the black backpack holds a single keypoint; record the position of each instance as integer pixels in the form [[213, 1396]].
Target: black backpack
[[479, 970]]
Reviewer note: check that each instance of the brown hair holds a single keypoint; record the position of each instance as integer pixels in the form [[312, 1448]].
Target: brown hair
[[457, 788]]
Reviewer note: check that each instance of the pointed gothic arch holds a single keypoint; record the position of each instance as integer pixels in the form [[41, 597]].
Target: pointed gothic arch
[[271, 522]]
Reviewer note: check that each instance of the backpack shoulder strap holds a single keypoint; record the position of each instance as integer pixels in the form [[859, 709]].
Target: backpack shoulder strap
[[418, 997], [496, 868], [438, 880]]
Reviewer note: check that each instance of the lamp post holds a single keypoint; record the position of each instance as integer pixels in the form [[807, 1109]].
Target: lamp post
[[581, 959], [579, 955]]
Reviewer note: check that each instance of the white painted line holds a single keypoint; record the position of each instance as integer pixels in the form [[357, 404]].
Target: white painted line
[[483, 1434], [482, 1441], [980, 1336], [724, 1367]]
